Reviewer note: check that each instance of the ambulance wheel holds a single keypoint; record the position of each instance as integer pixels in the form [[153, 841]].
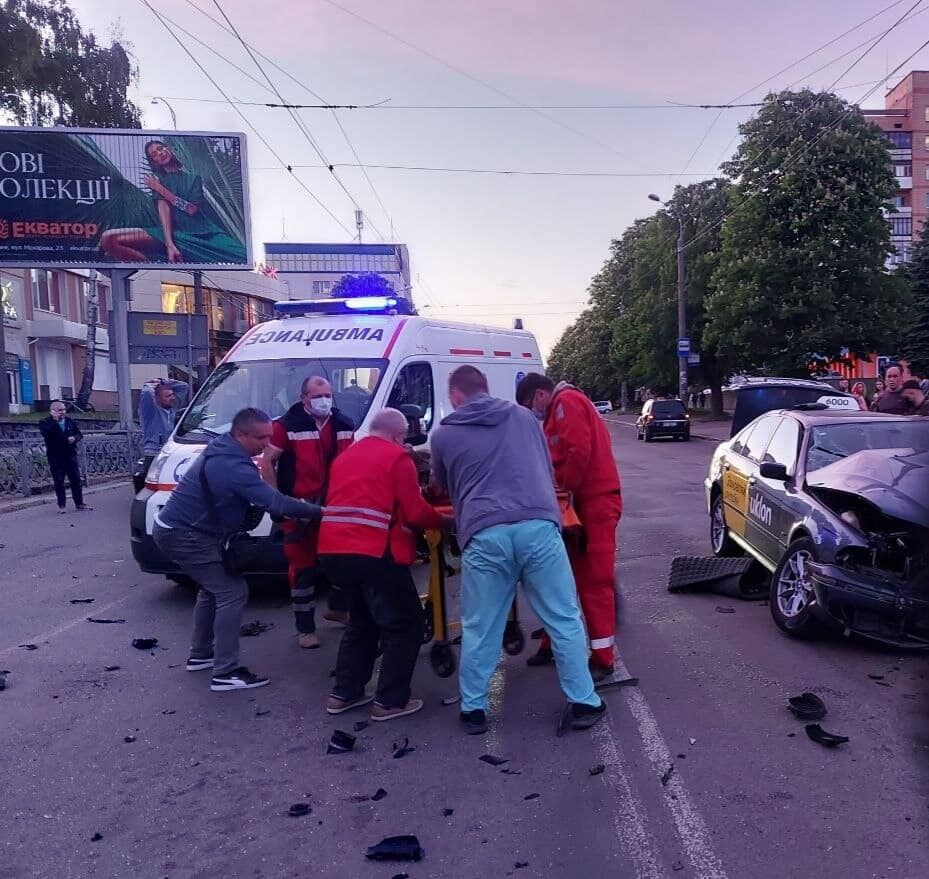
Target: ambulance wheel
[[513, 638], [443, 660], [428, 623]]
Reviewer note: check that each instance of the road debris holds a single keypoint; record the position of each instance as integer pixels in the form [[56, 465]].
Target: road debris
[[144, 643], [512, 771], [807, 706], [299, 810], [254, 629], [599, 769], [340, 743], [875, 677], [169, 711], [519, 865], [666, 775], [111, 668], [532, 796], [821, 737], [402, 747], [693, 742], [128, 739], [29, 646], [262, 712], [883, 683], [379, 795], [447, 813], [82, 600], [96, 837], [360, 725], [724, 609], [492, 760], [104, 620], [396, 848], [451, 700], [3, 675]]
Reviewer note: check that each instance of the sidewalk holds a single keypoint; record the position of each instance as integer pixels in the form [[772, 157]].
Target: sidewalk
[[712, 431], [13, 503]]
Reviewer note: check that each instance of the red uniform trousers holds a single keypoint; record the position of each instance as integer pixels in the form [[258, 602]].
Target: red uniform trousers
[[593, 562]]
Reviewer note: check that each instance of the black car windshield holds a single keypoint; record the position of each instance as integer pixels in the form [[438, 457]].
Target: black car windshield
[[274, 386], [829, 443], [668, 409]]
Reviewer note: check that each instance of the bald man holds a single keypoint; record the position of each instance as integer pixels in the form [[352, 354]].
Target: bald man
[[366, 547]]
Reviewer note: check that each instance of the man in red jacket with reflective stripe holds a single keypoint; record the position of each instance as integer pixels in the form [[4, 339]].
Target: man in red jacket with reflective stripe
[[304, 443], [582, 455], [366, 547]]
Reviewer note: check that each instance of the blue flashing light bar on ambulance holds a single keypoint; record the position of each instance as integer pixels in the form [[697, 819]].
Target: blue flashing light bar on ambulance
[[388, 305]]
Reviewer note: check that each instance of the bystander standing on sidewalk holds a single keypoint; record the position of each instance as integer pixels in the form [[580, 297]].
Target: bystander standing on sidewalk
[[61, 435]]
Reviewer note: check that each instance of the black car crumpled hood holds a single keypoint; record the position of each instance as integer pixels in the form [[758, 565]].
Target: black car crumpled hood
[[896, 481]]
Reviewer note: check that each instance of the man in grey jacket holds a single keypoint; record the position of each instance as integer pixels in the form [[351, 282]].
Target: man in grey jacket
[[208, 506], [491, 457], [159, 402]]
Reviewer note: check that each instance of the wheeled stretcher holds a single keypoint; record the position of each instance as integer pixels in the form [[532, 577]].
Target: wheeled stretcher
[[441, 631]]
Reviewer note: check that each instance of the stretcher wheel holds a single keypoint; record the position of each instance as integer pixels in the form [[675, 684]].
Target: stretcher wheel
[[429, 621], [513, 638], [443, 660]]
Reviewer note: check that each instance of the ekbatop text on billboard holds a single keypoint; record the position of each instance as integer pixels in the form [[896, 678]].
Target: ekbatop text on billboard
[[115, 198]]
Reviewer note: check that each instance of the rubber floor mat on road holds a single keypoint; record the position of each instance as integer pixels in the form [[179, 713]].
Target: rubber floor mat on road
[[735, 577]]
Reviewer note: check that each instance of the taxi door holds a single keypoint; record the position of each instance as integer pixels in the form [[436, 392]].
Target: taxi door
[[774, 504]]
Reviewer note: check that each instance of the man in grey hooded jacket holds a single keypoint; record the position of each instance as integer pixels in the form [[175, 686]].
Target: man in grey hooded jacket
[[208, 506], [491, 457]]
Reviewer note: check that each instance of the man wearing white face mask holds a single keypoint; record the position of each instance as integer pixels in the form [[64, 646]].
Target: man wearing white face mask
[[304, 443]]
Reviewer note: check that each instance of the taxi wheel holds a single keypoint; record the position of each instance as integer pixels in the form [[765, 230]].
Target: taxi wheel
[[722, 544], [792, 591]]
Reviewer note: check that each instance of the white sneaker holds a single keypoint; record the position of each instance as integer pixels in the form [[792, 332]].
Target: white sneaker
[[240, 679]]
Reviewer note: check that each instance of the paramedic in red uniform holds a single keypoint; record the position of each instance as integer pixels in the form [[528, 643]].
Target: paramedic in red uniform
[[582, 455], [304, 443], [366, 547]]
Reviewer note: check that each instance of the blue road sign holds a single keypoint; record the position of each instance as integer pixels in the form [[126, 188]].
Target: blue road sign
[[683, 347]]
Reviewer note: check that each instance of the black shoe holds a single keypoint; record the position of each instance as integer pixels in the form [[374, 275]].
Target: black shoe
[[198, 664], [585, 716], [543, 656], [475, 722], [240, 679], [600, 673]]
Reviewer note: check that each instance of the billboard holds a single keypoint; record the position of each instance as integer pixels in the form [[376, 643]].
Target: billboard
[[109, 198]]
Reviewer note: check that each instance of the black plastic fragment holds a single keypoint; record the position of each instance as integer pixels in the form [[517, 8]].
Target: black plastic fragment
[[677, 866], [666, 775], [3, 675], [512, 771], [519, 865], [169, 711], [699, 573], [360, 725], [340, 743], [402, 747], [29, 646], [299, 810], [807, 706], [111, 668], [144, 643], [532, 796], [400, 876], [720, 609], [821, 737], [396, 848], [83, 600], [447, 813], [96, 837], [875, 677], [262, 712], [883, 683], [129, 739], [103, 620], [254, 629], [599, 769], [379, 795], [492, 760]]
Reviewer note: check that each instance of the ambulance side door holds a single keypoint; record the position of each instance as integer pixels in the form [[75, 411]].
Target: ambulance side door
[[414, 384]]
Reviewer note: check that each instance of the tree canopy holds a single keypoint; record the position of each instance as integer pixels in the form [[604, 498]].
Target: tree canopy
[[362, 284]]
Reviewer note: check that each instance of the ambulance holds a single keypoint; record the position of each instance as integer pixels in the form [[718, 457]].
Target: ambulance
[[373, 350]]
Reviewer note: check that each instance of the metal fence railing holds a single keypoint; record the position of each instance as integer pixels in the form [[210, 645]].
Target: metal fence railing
[[24, 467]]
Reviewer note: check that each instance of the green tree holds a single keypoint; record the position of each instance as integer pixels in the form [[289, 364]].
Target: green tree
[[581, 355], [362, 284], [802, 269], [914, 346]]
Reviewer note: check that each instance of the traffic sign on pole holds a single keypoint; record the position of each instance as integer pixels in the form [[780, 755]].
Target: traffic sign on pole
[[683, 347]]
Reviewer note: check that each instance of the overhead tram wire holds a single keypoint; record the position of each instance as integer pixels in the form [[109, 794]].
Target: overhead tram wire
[[483, 83], [507, 171], [783, 70], [254, 51], [246, 120], [795, 157], [301, 126]]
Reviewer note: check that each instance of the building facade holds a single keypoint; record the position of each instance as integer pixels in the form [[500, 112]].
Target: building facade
[[905, 121], [310, 271]]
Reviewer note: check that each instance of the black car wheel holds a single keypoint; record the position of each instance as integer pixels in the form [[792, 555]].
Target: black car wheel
[[723, 545], [792, 591], [646, 435]]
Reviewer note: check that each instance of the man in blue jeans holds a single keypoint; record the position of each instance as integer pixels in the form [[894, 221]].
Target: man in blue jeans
[[491, 457]]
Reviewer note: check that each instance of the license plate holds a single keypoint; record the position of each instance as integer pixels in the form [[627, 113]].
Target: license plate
[[668, 423]]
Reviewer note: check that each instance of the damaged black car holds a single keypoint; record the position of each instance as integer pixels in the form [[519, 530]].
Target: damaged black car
[[836, 506]]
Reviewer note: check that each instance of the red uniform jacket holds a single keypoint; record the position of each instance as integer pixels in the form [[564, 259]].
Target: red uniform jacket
[[374, 498], [579, 443], [303, 469]]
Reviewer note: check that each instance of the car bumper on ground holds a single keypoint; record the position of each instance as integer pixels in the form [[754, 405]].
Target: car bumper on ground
[[871, 607]]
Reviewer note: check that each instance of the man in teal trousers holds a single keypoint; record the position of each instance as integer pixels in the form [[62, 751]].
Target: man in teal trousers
[[491, 457]]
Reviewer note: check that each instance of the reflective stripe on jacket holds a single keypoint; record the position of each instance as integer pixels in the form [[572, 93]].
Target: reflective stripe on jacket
[[374, 499]]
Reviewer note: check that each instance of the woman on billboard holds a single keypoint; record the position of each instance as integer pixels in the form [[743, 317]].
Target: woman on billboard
[[186, 230]]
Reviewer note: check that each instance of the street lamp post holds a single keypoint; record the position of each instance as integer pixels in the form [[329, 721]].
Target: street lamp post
[[158, 100], [681, 301]]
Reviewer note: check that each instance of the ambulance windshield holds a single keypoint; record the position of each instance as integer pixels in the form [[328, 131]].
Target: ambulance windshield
[[274, 386]]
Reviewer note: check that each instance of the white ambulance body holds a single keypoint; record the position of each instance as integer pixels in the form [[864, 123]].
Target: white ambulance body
[[372, 359]]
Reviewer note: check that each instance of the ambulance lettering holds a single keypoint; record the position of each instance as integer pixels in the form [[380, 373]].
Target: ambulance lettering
[[355, 333], [760, 511]]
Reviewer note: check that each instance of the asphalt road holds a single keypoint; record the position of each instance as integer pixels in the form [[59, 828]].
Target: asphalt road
[[204, 788]]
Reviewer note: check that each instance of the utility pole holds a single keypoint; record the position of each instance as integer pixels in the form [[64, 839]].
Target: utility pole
[[202, 368], [359, 223], [4, 384], [119, 338]]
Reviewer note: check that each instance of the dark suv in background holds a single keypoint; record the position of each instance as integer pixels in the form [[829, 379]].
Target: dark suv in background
[[663, 418]]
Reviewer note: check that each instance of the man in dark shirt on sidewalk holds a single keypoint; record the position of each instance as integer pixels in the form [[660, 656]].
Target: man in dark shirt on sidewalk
[[61, 435]]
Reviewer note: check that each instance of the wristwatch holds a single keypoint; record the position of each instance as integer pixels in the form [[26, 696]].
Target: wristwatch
[[180, 203]]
